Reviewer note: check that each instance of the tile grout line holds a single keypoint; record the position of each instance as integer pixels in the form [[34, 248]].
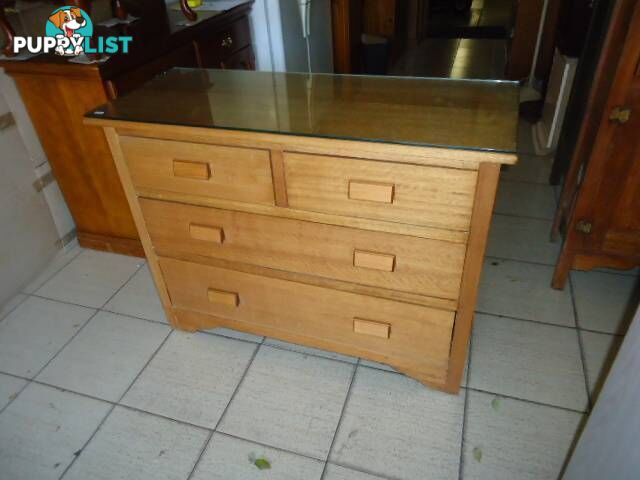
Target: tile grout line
[[231, 398], [342, 410], [525, 400], [31, 380], [113, 407], [583, 357], [81, 250]]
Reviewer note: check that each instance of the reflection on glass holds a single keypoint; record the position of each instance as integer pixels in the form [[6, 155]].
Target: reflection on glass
[[467, 114]]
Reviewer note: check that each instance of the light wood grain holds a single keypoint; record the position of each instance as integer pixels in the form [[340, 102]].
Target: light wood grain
[[437, 197], [425, 267], [129, 190], [374, 260], [410, 154], [421, 335], [485, 194], [421, 231], [368, 327], [206, 233], [223, 172], [194, 170]]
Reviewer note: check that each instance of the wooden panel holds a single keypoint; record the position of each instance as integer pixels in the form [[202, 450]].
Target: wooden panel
[[79, 154], [375, 329], [420, 338], [485, 194], [437, 197], [194, 170], [421, 231], [425, 267], [206, 233], [241, 174], [377, 261]]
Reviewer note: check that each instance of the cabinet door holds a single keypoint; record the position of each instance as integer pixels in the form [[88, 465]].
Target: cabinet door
[[608, 208]]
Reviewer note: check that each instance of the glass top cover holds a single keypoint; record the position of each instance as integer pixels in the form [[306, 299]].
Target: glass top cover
[[467, 114]]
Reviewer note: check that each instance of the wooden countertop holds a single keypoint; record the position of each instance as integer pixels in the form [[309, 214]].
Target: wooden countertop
[[459, 114]]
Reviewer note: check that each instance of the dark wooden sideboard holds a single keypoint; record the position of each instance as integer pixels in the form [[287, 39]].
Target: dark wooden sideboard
[[599, 208], [58, 93]]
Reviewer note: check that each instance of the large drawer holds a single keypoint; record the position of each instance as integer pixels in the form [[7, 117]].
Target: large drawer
[[230, 173], [384, 260], [411, 194], [410, 334]]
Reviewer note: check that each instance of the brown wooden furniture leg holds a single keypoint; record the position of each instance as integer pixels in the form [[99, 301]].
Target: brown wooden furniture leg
[[563, 267]]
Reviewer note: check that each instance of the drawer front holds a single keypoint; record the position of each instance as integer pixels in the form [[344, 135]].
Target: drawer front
[[416, 195], [229, 173], [407, 333], [385, 260]]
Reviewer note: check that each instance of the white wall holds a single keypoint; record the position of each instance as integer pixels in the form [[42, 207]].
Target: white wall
[[609, 445], [28, 233]]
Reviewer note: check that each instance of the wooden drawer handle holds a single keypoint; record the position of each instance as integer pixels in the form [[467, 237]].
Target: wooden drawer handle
[[206, 233], [377, 261], [230, 299], [371, 191], [194, 170], [369, 327]]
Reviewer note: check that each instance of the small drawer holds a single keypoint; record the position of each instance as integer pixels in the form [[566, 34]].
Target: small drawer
[[377, 259], [230, 173], [410, 194], [220, 46], [412, 335]]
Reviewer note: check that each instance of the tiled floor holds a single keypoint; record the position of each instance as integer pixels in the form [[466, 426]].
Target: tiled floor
[[95, 385]]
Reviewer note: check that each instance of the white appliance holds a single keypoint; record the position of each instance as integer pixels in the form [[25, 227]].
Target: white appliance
[[304, 35], [547, 131]]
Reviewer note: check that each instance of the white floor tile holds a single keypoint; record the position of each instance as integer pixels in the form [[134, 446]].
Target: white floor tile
[[600, 350], [229, 333], [228, 458], [396, 427], [191, 378], [11, 304], [41, 430], [35, 331], [105, 357], [335, 472], [605, 302], [91, 278], [525, 199], [136, 445], [308, 350], [519, 238], [9, 388], [62, 258], [290, 401], [138, 298], [523, 290], [528, 360], [530, 168], [508, 439]]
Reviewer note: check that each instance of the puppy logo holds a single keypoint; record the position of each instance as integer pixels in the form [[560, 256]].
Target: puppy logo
[[70, 26]]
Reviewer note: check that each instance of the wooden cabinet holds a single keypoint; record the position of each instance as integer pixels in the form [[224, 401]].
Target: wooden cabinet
[[371, 249], [600, 204], [58, 93]]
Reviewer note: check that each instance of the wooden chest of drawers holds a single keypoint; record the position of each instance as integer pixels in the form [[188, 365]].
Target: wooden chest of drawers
[[373, 250]]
